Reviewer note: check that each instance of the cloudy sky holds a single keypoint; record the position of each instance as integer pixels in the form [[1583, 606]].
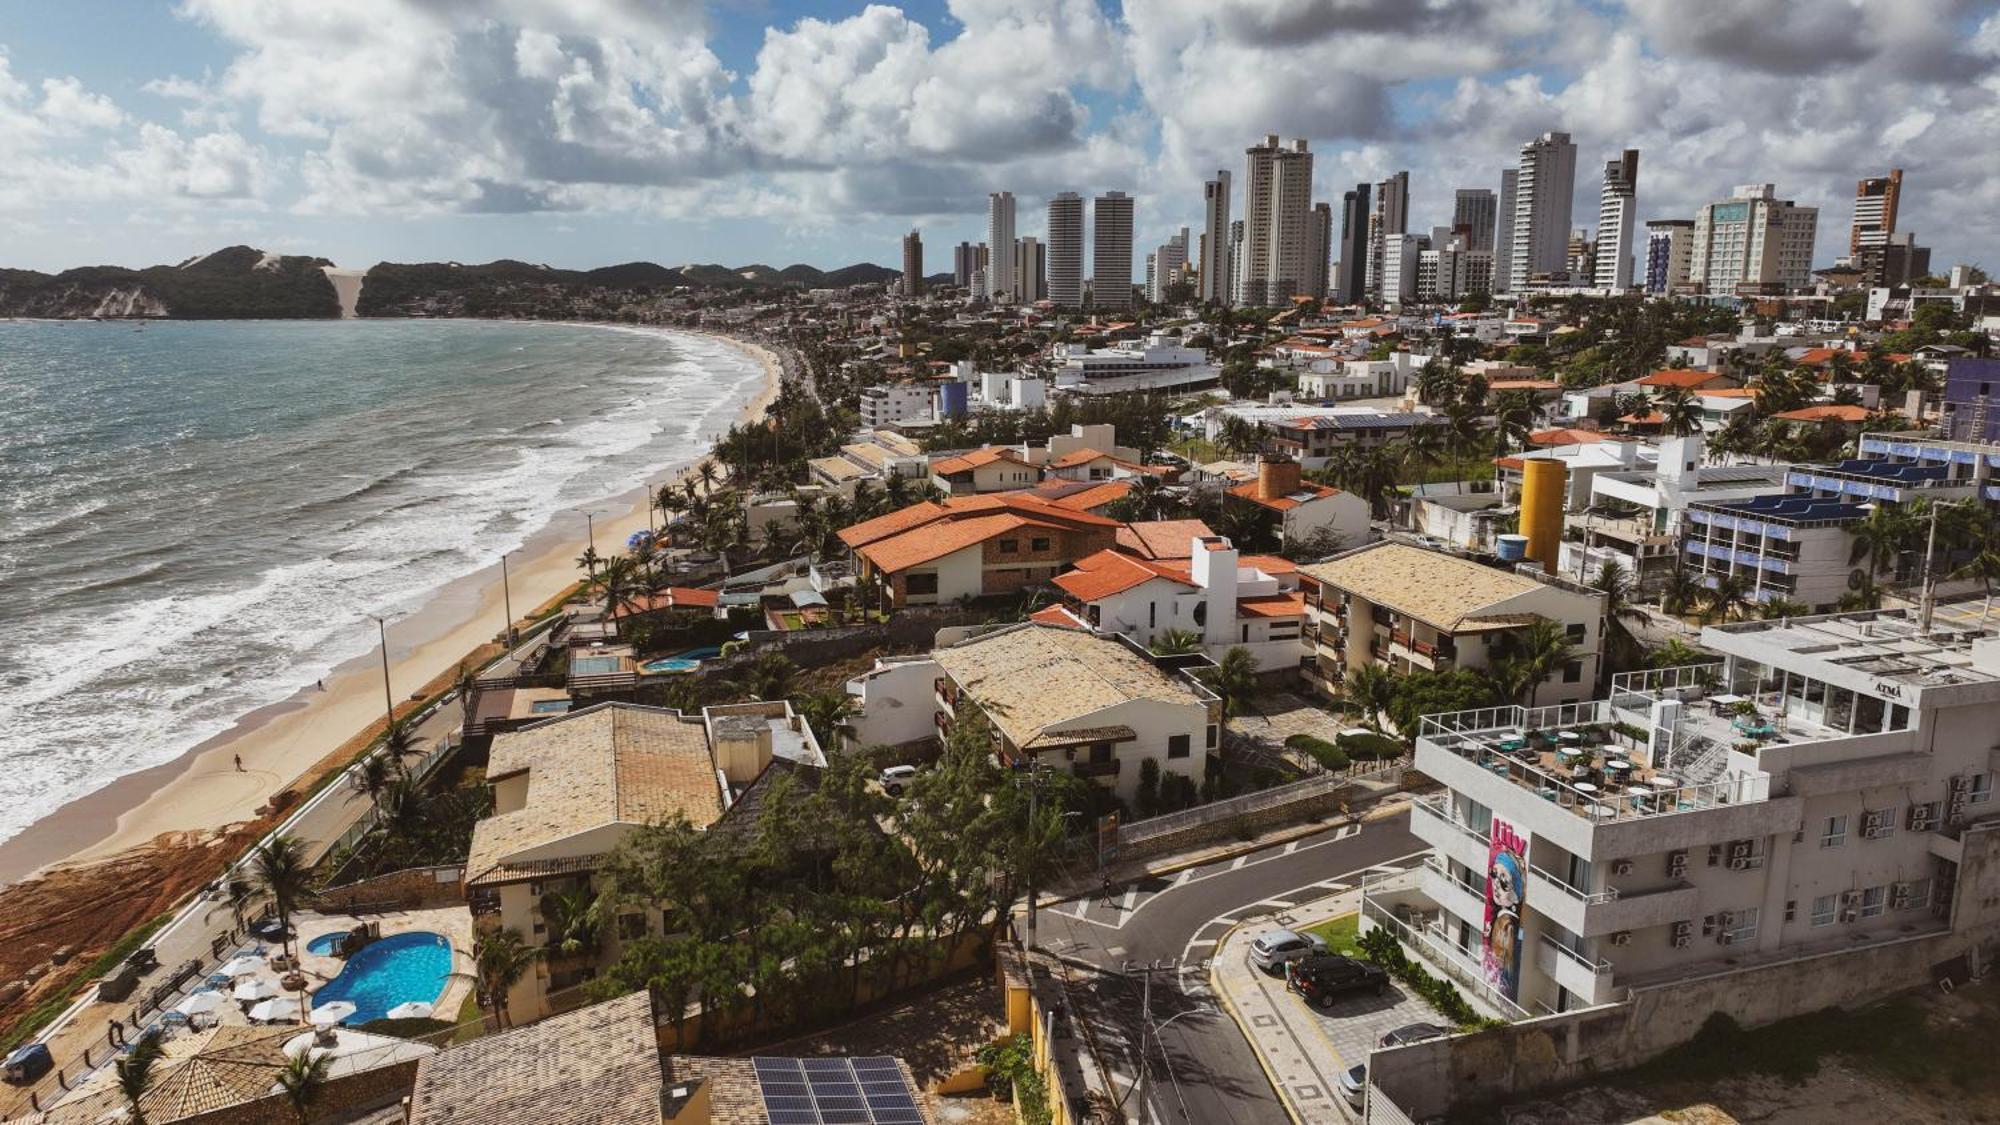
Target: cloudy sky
[[585, 132]]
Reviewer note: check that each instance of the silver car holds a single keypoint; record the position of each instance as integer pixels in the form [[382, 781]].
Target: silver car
[[1273, 948], [1354, 1085]]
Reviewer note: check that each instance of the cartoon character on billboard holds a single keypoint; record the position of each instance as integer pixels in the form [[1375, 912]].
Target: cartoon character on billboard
[[1506, 879]]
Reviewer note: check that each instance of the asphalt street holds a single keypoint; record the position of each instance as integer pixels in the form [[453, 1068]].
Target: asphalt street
[[1201, 1068]]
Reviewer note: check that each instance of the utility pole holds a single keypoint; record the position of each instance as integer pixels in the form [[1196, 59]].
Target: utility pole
[[1146, 971], [1927, 605], [1034, 814], [388, 696], [507, 598]]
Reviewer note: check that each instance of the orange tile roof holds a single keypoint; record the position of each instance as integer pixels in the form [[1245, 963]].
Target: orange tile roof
[[1161, 539], [1813, 357], [1269, 564], [1650, 418], [1510, 462], [1112, 572], [935, 541], [1679, 377], [891, 523], [1058, 615], [1271, 605], [977, 458], [1830, 412], [1079, 457], [1028, 504], [1248, 491], [1094, 497], [1565, 436], [1524, 385], [1727, 392]]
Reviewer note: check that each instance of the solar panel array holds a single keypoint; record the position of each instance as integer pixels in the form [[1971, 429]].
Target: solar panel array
[[863, 1091]]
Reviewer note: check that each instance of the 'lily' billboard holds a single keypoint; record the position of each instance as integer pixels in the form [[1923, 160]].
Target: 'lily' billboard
[[1506, 880]]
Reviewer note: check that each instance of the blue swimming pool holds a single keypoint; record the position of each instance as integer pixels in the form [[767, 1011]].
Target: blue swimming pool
[[324, 944], [680, 662], [397, 969]]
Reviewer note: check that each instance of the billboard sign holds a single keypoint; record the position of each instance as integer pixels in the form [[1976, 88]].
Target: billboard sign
[[1506, 881]]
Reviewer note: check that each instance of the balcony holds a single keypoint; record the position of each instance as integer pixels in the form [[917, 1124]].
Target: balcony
[[1097, 769], [1597, 913], [1431, 821], [1587, 978], [1457, 896]]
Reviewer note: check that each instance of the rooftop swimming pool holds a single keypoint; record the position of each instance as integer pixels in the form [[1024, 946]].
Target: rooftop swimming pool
[[593, 665], [395, 970], [680, 662]]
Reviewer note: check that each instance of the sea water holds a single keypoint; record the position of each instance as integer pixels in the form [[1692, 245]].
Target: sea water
[[197, 518]]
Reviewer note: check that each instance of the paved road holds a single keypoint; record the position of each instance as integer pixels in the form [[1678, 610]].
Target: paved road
[[1202, 1068]]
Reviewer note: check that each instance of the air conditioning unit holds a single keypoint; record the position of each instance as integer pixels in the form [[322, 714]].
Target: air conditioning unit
[[1677, 864], [1725, 919], [1900, 895], [1740, 863], [1622, 937], [1682, 941], [1683, 929], [1725, 938], [1873, 826], [1850, 906], [1923, 818], [1741, 849], [1621, 867]]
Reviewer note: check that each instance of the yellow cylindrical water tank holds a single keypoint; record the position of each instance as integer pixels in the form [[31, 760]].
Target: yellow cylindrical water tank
[[1542, 483]]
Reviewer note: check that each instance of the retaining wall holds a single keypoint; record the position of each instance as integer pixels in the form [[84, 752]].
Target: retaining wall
[[413, 888]]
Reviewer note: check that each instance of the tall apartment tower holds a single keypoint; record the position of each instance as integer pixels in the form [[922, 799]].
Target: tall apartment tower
[[1253, 275], [1237, 244], [1031, 260], [1215, 274], [1753, 240], [1503, 231], [1542, 188], [1066, 250], [1668, 244], [1169, 265], [1291, 269], [1615, 216], [1875, 201], [1473, 211], [964, 263], [1391, 218], [1351, 284], [912, 282], [1111, 251], [1000, 237], [1321, 264]]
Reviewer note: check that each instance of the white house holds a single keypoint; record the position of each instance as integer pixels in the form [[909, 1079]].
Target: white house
[[1228, 600]]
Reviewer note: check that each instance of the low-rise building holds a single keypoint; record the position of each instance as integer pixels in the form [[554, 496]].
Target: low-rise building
[[1066, 699], [874, 457], [1161, 363], [896, 402], [972, 546], [1299, 512], [1635, 518], [1229, 601], [1405, 608], [995, 468]]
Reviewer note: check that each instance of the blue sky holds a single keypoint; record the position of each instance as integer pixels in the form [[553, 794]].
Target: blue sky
[[596, 131]]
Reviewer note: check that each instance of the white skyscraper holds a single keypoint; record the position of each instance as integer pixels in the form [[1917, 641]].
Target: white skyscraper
[[1615, 221], [1111, 251], [1542, 190], [1000, 236], [1253, 275], [1503, 232], [1215, 287], [1290, 273], [1390, 218], [1066, 250], [1166, 266]]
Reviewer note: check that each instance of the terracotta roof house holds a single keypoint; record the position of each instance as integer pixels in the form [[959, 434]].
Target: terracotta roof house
[[1081, 495], [992, 469], [1827, 413], [1688, 379], [1226, 600], [973, 546], [1161, 539], [1565, 436], [1301, 511]]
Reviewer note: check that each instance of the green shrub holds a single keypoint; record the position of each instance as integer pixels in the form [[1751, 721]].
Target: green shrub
[[1329, 756], [1010, 1070], [1371, 747], [1381, 947]]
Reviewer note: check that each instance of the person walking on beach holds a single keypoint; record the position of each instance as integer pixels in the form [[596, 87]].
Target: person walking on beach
[[239, 762], [320, 684]]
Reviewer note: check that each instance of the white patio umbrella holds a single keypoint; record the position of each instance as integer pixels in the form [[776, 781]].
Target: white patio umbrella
[[331, 1013], [411, 1010], [200, 1003], [243, 965], [277, 1008], [256, 988]]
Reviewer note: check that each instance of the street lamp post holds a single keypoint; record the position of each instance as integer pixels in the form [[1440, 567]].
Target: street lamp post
[[388, 696], [507, 597]]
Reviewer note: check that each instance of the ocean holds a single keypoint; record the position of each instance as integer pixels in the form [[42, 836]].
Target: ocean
[[197, 518]]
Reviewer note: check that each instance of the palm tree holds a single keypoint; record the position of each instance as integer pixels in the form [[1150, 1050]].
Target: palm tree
[[1532, 655], [1176, 642], [769, 676], [500, 960], [571, 918], [826, 712], [1682, 410], [1880, 537], [1984, 566], [1621, 644], [1777, 608], [587, 561], [1371, 687], [1422, 449], [1681, 591], [278, 866], [618, 581], [1234, 678], [1729, 594], [708, 474], [1676, 653], [304, 1080], [372, 776], [135, 1076]]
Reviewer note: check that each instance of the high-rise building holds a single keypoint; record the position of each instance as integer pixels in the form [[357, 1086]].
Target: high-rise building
[[1543, 185], [1215, 288], [1321, 263], [1353, 279], [1000, 237], [1615, 215], [1166, 266], [1753, 241], [1253, 274], [1111, 251], [1668, 244], [1875, 203], [1473, 209], [964, 263], [1291, 225], [1238, 250], [1066, 250], [1031, 259], [1503, 231], [1391, 218], [912, 282]]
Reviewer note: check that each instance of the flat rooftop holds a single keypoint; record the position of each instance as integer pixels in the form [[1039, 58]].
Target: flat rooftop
[[1885, 644]]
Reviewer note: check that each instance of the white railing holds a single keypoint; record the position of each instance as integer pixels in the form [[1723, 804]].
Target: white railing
[[1430, 949], [1599, 967], [1588, 898], [1516, 717], [1596, 805]]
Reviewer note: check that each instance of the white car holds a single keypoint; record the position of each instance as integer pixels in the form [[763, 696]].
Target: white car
[[895, 778], [1275, 947]]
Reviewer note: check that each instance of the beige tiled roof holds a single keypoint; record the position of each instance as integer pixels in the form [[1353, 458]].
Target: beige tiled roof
[[611, 764], [1438, 589], [226, 1068], [836, 468], [598, 1065], [1037, 681]]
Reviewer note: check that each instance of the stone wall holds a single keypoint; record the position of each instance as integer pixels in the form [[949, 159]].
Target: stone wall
[[414, 888], [1351, 796]]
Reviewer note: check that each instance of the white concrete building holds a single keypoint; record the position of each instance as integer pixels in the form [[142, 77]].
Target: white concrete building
[[1166, 266], [895, 402], [1389, 219], [1215, 287], [1503, 231], [1544, 184], [1636, 517], [1000, 237], [1669, 250], [892, 703], [1232, 601], [1030, 265], [1616, 214], [1066, 250], [1808, 795], [1754, 241], [1159, 363]]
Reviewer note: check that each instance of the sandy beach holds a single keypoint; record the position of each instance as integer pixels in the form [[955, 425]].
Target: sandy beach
[[203, 791]]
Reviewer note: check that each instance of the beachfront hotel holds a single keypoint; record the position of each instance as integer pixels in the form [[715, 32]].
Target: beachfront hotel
[[1825, 789]]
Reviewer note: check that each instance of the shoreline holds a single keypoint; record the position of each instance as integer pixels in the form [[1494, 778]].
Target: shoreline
[[202, 791]]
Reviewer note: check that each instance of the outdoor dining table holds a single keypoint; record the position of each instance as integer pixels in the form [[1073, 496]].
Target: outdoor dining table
[[1570, 736], [1602, 811], [1585, 788], [1617, 765], [1662, 781]]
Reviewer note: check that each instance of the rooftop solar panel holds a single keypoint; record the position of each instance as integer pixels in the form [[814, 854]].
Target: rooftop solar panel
[[820, 1091]]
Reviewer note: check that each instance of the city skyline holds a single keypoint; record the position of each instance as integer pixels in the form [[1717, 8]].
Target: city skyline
[[695, 133]]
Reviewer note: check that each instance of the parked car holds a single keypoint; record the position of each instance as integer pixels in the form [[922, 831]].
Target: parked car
[[1275, 947], [895, 778], [1413, 1033], [1323, 979], [28, 1063], [1354, 1085]]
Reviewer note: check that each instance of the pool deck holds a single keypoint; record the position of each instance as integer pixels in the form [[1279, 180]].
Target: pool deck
[[455, 923]]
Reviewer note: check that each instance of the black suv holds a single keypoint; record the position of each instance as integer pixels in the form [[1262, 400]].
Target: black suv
[[1322, 980]]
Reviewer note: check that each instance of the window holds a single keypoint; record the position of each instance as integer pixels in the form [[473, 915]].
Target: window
[[1873, 901], [1178, 746], [1573, 671], [1575, 633], [1835, 833], [1212, 735], [1152, 614], [1742, 925], [631, 926], [1791, 910], [1038, 544], [1878, 824], [918, 585], [1916, 895], [1982, 789], [1824, 910], [1010, 546]]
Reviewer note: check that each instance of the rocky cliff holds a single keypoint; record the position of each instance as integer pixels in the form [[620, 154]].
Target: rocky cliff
[[240, 282]]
